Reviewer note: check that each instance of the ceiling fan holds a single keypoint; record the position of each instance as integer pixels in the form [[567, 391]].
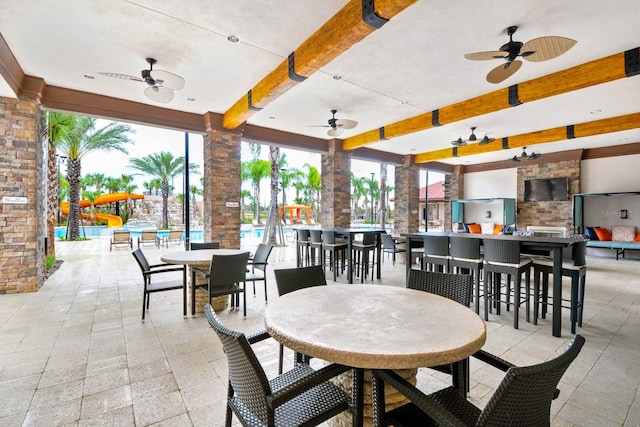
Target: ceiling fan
[[337, 125], [161, 84], [472, 138], [526, 156], [535, 50]]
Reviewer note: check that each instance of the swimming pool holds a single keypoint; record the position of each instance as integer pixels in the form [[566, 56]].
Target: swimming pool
[[104, 231]]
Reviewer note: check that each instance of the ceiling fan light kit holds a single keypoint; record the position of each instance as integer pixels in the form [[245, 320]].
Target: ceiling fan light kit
[[525, 156], [337, 125], [535, 50], [161, 84], [472, 138]]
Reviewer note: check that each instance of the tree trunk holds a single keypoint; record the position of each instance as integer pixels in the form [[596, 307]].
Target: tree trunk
[[165, 205], [383, 194], [73, 176], [274, 157], [53, 193]]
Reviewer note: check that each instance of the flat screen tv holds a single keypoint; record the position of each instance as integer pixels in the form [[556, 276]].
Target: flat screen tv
[[536, 190]]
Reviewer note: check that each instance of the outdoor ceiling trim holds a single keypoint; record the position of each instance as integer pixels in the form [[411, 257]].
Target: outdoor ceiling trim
[[74, 101], [284, 139], [592, 73], [372, 155], [10, 69], [596, 127], [558, 156], [334, 37]]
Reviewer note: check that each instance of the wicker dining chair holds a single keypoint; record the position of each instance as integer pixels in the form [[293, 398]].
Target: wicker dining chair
[[523, 398], [257, 271], [293, 279], [436, 253], [299, 397], [456, 287], [465, 255], [225, 274], [150, 287]]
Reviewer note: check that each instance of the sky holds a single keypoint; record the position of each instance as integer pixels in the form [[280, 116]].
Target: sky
[[149, 140]]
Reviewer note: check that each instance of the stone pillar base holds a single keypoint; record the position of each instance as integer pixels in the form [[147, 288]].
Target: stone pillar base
[[202, 299], [393, 399]]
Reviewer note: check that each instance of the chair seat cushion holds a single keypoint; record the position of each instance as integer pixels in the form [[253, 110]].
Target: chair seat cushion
[[523, 263], [474, 260], [164, 286], [254, 275]]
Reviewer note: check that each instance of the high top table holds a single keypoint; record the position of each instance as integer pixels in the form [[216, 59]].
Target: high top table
[[350, 233], [376, 327], [554, 245]]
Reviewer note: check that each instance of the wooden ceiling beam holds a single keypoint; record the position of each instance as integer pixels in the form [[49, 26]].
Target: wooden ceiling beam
[[350, 25], [592, 73], [596, 127]]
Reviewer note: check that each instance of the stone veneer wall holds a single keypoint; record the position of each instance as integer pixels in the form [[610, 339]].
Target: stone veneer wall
[[407, 187], [22, 174], [221, 185], [336, 187], [553, 213], [453, 190]]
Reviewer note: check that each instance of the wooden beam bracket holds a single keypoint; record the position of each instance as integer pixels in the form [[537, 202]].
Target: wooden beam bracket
[[571, 132], [514, 101], [632, 62], [292, 70], [250, 102], [369, 15], [382, 138], [435, 118], [505, 143]]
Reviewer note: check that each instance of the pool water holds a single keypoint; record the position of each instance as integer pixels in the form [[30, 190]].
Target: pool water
[[194, 235]]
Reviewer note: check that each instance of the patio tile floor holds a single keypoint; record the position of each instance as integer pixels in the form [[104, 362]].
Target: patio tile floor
[[77, 353]]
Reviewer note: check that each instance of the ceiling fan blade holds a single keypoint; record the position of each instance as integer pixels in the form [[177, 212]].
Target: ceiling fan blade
[[346, 123], [122, 76], [485, 56], [545, 48], [515, 159], [486, 140], [318, 126], [533, 156], [501, 73], [335, 132], [159, 93], [169, 80]]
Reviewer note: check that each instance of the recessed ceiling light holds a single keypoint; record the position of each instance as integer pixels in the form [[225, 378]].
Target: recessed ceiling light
[[337, 77], [191, 99], [272, 117], [89, 76], [623, 139], [404, 102], [596, 112], [232, 38]]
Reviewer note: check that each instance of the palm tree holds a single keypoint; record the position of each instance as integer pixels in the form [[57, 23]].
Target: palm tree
[[383, 194], [80, 140], [54, 126], [314, 182], [195, 191], [91, 196], [255, 171], [244, 194], [164, 167], [358, 190]]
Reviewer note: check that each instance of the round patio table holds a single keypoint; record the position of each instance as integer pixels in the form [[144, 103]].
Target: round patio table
[[200, 259]]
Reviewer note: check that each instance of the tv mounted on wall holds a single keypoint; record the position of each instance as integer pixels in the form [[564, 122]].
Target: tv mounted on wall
[[537, 190]]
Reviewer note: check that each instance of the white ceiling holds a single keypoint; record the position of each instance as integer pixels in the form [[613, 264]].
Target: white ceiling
[[412, 65]]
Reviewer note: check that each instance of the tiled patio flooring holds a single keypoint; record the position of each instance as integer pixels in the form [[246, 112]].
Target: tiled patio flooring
[[77, 352]]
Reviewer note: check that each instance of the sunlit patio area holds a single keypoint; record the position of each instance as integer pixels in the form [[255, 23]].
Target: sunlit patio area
[[77, 352]]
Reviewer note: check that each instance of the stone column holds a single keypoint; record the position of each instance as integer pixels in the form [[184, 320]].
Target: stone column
[[407, 203], [222, 183], [23, 191], [335, 204], [453, 190]]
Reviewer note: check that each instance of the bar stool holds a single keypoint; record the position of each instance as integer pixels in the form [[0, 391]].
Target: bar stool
[[436, 253], [302, 245], [315, 244], [503, 257], [465, 255], [360, 253], [574, 266], [336, 248]]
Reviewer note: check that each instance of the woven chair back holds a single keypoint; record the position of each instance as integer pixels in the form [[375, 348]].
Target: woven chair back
[[456, 287], [205, 245], [504, 251], [463, 247], [261, 256], [303, 235], [524, 396], [227, 270], [246, 375], [293, 279], [142, 260], [436, 245]]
